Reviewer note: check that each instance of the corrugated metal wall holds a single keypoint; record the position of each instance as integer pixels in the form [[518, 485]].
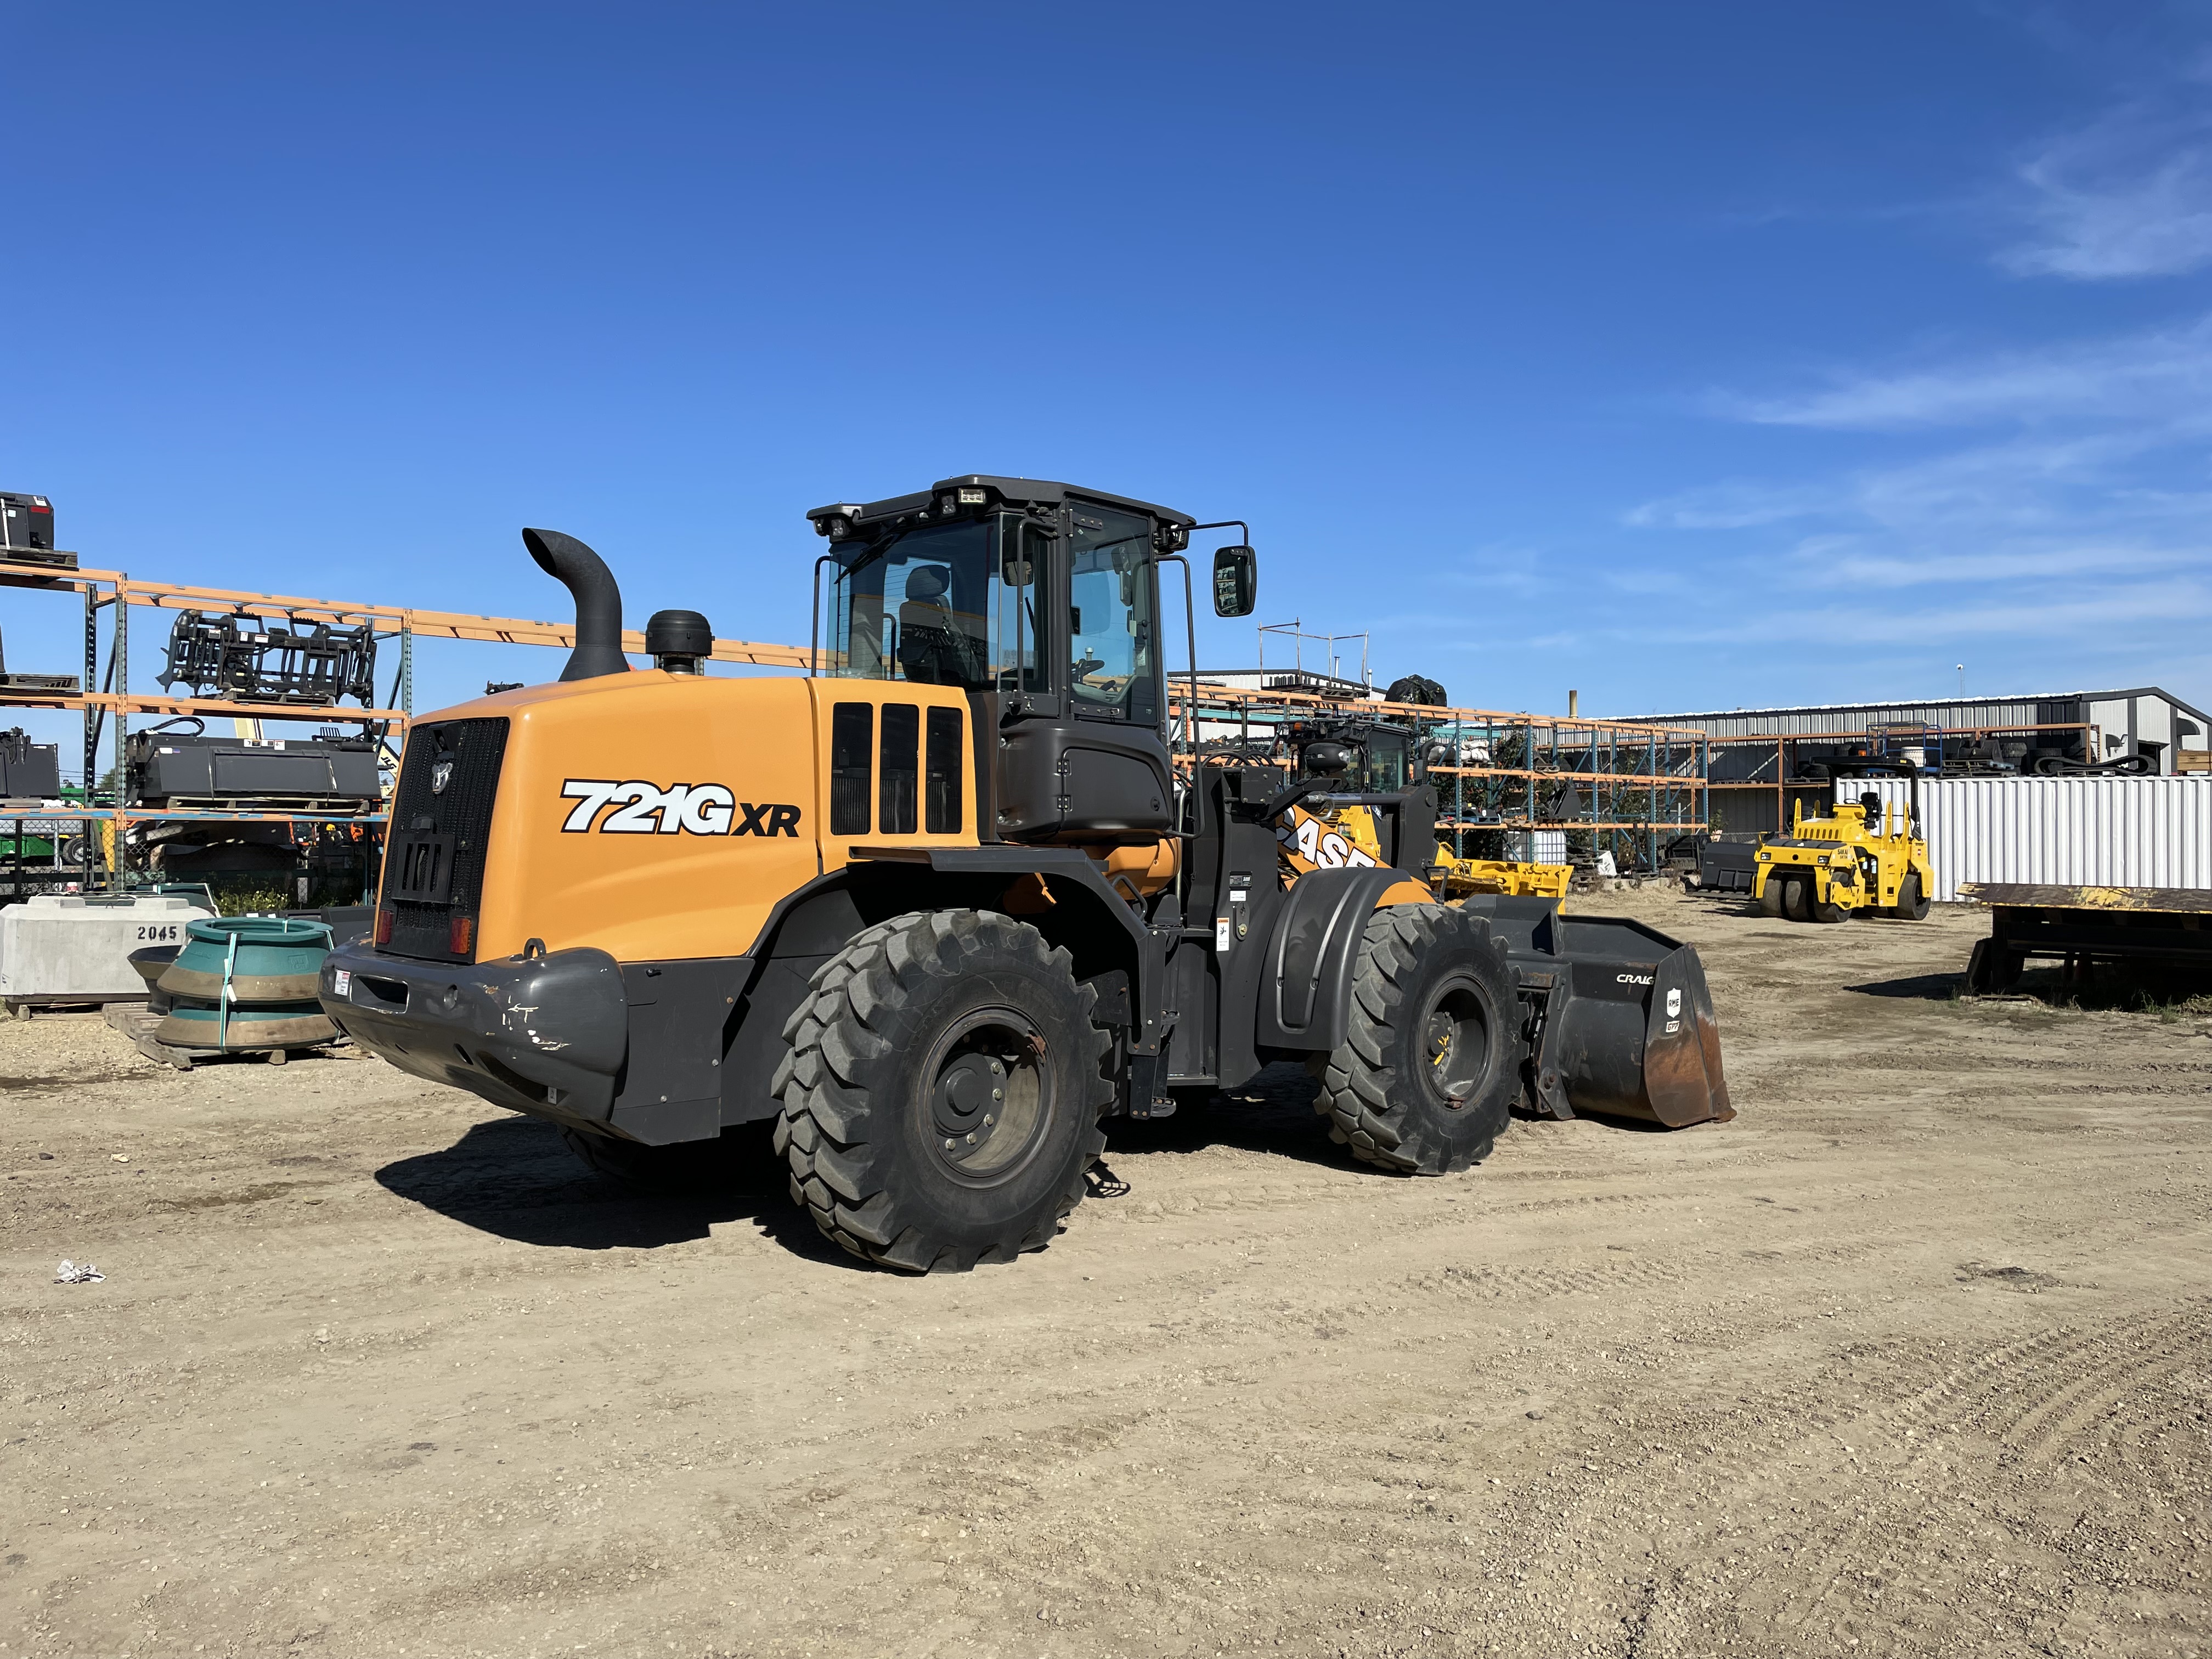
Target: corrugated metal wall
[[2073, 832], [1800, 722]]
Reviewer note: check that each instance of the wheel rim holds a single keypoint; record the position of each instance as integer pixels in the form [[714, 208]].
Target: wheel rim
[[987, 1095], [1455, 1044]]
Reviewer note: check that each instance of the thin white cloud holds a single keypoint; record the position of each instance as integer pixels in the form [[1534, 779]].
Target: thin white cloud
[[2163, 373], [2063, 516], [1500, 567], [2071, 563], [2045, 483], [1733, 506], [2131, 196], [2010, 615]]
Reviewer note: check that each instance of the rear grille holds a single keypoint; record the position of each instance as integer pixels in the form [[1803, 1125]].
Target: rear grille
[[434, 862]]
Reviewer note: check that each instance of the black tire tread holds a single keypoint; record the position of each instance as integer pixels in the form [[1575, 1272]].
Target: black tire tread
[[1797, 899], [1913, 908], [1355, 1080], [830, 1035]]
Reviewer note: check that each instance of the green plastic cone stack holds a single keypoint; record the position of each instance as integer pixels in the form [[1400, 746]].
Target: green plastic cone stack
[[246, 983]]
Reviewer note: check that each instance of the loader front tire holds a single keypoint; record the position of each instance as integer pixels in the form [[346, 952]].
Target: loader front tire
[[1426, 1075], [941, 1092], [1771, 896]]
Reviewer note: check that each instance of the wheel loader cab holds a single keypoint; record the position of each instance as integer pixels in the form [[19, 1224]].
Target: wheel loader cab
[[937, 908], [1042, 604]]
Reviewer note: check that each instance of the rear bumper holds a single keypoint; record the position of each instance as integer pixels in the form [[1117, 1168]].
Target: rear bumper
[[547, 1036]]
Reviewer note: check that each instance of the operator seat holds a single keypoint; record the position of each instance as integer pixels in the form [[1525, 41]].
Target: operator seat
[[933, 648]]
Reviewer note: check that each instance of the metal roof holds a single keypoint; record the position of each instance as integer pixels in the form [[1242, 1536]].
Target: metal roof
[[1040, 492], [1906, 705]]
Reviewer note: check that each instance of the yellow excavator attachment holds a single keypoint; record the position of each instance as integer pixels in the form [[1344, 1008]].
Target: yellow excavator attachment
[[1460, 878]]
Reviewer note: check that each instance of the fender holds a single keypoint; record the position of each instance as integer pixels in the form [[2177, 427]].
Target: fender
[[1147, 947], [1305, 989]]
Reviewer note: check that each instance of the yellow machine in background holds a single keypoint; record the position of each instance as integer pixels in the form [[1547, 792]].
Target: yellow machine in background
[[1858, 859], [1457, 878], [1449, 875]]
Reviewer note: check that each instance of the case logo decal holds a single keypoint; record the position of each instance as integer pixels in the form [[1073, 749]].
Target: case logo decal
[[695, 809], [1319, 846]]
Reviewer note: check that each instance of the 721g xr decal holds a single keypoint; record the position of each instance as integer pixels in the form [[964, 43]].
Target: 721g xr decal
[[646, 809]]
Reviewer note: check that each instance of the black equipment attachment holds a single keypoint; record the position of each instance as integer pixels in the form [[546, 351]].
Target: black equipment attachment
[[66, 684], [27, 525], [28, 771], [245, 657], [169, 769], [1621, 1022]]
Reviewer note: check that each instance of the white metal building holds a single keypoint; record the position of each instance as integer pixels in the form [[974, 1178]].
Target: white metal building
[[2142, 719], [2057, 832]]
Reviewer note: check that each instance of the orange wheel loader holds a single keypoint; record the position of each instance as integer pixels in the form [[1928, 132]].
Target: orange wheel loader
[[945, 904]]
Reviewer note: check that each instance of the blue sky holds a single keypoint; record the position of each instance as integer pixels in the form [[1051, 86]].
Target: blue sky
[[1692, 356]]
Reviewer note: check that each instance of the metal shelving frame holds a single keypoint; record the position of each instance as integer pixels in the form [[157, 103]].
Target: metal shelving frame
[[1637, 785], [1782, 785], [106, 694]]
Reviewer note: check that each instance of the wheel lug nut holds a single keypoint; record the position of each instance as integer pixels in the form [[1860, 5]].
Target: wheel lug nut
[[950, 1145], [971, 1140], [998, 1094], [988, 1120]]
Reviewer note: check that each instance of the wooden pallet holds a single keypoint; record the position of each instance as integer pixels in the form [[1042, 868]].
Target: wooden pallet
[[139, 1023], [28, 1007]]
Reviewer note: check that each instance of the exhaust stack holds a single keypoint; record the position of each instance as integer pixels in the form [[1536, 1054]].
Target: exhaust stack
[[598, 602]]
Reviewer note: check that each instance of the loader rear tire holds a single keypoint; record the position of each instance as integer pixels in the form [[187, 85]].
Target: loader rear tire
[[942, 1091], [1829, 910], [1429, 1065], [1912, 902]]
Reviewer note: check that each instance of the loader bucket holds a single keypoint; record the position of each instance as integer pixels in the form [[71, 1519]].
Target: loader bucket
[[1624, 1021]]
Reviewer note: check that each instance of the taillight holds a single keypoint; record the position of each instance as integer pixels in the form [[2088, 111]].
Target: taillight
[[462, 935], [385, 919]]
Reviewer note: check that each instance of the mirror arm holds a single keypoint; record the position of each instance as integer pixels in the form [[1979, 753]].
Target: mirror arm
[[1224, 525]]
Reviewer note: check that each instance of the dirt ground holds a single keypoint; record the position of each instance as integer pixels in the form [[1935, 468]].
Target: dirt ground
[[1910, 1359]]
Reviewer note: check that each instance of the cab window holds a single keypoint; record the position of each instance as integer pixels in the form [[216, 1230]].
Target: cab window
[[938, 606], [1111, 673]]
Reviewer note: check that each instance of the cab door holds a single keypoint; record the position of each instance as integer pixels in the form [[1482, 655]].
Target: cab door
[[1098, 766]]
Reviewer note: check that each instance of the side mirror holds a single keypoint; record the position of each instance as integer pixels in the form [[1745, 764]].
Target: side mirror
[[1236, 581]]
